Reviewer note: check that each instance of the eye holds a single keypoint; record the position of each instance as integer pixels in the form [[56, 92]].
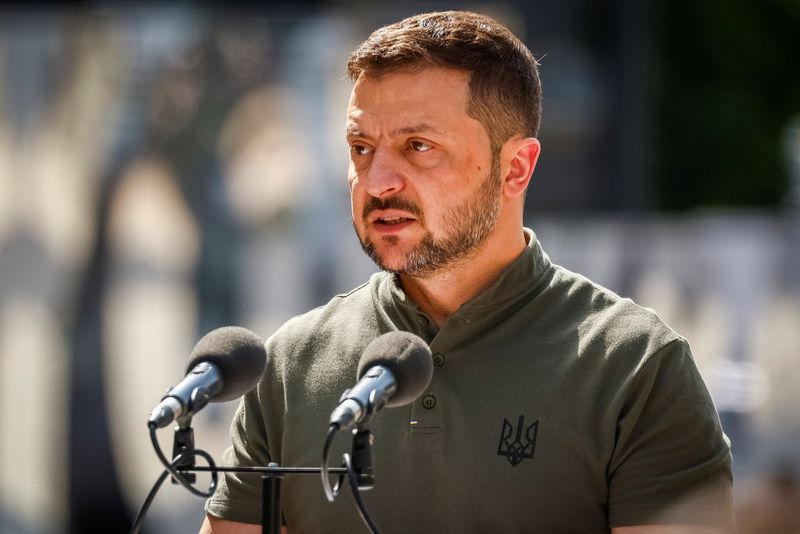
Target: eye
[[419, 146], [360, 149]]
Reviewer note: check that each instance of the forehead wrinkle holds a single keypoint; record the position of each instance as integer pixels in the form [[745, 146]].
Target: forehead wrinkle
[[354, 131], [416, 128]]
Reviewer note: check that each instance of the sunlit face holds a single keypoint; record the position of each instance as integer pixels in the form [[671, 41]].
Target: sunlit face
[[425, 188]]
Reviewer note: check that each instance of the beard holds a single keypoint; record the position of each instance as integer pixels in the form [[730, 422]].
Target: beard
[[469, 224]]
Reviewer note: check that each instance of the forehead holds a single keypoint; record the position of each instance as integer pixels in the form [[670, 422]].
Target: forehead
[[435, 95]]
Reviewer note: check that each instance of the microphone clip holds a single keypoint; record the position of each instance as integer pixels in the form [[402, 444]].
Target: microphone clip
[[361, 458], [182, 442]]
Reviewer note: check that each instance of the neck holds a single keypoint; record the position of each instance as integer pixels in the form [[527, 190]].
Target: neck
[[441, 294]]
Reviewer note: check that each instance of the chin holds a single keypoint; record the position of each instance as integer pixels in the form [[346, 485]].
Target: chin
[[390, 258], [391, 261], [390, 253]]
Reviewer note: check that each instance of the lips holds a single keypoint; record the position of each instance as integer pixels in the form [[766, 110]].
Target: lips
[[389, 221], [392, 220], [389, 216]]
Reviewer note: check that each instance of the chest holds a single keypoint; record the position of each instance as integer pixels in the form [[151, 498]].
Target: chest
[[496, 440]]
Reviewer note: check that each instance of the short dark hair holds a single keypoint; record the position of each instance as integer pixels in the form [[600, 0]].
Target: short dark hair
[[505, 93]]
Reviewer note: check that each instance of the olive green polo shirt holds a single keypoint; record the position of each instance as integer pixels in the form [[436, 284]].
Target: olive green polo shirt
[[555, 406]]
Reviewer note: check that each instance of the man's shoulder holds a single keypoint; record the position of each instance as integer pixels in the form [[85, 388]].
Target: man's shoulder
[[603, 316], [346, 314]]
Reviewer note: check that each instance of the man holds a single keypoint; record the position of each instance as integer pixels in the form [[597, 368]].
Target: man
[[555, 406]]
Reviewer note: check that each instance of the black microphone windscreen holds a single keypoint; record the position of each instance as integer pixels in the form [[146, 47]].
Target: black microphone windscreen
[[240, 356], [409, 359]]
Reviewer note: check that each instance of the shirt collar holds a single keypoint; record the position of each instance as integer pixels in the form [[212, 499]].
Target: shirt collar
[[519, 280]]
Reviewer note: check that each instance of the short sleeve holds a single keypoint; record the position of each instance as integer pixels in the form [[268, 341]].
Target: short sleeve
[[238, 496], [671, 462]]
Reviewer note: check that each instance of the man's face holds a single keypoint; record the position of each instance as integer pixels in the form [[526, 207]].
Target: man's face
[[425, 187]]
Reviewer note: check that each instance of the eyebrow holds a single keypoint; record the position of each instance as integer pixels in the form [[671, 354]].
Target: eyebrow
[[353, 131]]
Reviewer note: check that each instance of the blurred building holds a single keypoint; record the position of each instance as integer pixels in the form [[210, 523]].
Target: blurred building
[[168, 170]]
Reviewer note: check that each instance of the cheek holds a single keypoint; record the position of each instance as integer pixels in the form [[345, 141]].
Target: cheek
[[474, 166], [353, 186], [352, 179], [356, 201]]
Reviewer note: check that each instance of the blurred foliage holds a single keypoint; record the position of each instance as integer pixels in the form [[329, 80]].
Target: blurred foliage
[[726, 84]]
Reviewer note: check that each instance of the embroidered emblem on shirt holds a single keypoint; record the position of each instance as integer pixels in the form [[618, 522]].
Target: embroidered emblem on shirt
[[516, 444]]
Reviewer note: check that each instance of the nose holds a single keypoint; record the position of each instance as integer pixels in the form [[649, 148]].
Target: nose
[[384, 176]]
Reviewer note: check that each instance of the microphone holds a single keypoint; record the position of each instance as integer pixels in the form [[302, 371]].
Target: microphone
[[394, 370], [225, 364]]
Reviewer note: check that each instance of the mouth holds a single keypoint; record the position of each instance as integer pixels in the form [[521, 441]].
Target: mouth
[[384, 221], [392, 221]]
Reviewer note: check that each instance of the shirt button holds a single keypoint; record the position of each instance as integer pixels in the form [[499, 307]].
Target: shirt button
[[428, 401], [438, 359]]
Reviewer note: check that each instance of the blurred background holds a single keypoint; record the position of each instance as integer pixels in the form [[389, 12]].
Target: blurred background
[[165, 170]]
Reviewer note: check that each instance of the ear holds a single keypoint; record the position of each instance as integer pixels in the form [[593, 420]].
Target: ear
[[523, 152]]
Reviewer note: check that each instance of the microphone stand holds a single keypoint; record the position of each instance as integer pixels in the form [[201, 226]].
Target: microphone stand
[[183, 465], [271, 476], [271, 502]]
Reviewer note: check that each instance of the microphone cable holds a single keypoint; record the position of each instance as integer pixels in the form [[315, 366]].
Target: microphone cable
[[332, 493], [360, 506], [170, 468]]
